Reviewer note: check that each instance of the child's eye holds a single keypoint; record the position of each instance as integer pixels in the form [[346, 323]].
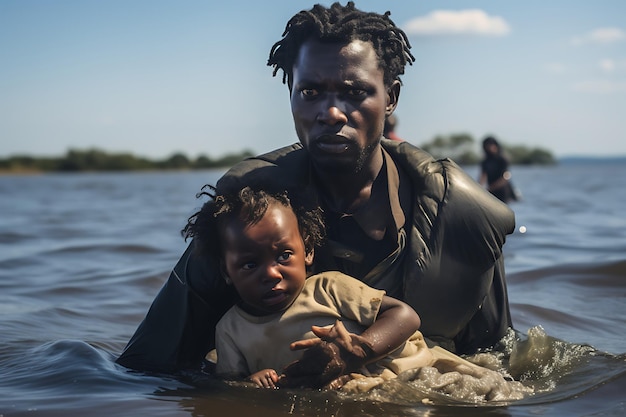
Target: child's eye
[[248, 265], [284, 256]]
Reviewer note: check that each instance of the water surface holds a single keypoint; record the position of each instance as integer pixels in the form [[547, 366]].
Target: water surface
[[83, 255]]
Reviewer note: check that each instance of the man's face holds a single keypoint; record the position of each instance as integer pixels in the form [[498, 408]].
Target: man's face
[[339, 102]]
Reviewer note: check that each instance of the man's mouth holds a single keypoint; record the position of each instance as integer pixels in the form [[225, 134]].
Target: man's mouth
[[332, 144]]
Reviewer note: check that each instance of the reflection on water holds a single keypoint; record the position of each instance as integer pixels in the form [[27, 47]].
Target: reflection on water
[[82, 256]]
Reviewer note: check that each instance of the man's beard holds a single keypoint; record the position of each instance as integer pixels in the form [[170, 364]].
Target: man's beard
[[365, 155], [348, 167]]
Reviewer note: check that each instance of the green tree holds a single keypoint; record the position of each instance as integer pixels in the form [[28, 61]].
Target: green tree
[[177, 161], [203, 161], [458, 147], [522, 155]]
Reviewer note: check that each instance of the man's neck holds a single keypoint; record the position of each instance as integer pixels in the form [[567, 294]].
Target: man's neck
[[346, 193]]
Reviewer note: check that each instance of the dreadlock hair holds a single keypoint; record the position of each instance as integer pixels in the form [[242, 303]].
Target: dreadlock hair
[[249, 206], [343, 24]]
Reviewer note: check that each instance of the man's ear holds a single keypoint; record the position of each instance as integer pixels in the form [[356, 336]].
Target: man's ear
[[393, 95], [225, 273], [308, 258]]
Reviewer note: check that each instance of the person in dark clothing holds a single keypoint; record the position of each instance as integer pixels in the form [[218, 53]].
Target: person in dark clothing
[[397, 219], [495, 174]]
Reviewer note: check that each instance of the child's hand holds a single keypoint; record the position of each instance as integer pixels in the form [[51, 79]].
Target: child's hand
[[355, 350], [334, 353], [265, 378]]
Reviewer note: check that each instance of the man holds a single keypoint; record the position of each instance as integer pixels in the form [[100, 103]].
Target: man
[[396, 219]]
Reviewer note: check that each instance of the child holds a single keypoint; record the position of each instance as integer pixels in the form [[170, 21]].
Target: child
[[264, 245]]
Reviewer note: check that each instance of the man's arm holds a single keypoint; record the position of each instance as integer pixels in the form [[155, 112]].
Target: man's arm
[[179, 328], [471, 230], [493, 318], [455, 275]]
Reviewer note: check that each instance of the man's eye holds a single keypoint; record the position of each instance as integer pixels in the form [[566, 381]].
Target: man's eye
[[308, 92], [357, 93]]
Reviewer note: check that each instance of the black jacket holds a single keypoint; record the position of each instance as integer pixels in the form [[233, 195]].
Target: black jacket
[[453, 274]]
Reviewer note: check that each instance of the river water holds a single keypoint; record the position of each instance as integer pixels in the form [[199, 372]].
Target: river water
[[83, 255]]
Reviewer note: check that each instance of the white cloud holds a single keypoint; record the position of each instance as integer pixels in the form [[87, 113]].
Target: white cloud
[[607, 65], [600, 87], [452, 22], [600, 35], [555, 68]]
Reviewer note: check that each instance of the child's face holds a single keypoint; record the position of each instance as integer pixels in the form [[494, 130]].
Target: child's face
[[266, 261]]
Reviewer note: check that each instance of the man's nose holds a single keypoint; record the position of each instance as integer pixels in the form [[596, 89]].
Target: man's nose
[[333, 113]]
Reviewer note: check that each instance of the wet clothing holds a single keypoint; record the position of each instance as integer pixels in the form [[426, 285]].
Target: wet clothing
[[247, 344], [441, 254], [369, 243]]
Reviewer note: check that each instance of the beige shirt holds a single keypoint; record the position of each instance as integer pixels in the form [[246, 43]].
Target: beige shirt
[[247, 344]]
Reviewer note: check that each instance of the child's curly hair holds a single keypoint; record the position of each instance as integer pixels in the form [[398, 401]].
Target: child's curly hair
[[249, 205]]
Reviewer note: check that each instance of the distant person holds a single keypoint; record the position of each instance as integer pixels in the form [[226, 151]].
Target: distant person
[[265, 243], [389, 130], [495, 174]]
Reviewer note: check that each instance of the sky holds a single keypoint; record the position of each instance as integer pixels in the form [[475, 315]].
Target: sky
[[154, 77]]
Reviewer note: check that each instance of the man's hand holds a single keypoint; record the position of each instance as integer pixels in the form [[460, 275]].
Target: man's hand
[[336, 352]]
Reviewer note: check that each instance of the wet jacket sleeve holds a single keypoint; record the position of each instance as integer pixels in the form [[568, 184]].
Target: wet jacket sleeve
[[465, 265], [473, 229], [455, 272], [179, 328]]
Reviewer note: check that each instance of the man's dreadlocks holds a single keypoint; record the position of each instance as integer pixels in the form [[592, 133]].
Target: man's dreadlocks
[[343, 24]]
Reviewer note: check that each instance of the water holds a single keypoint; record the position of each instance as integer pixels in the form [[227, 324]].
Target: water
[[83, 255]]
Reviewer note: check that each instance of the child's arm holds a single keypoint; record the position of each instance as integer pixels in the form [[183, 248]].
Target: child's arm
[[337, 352], [395, 323]]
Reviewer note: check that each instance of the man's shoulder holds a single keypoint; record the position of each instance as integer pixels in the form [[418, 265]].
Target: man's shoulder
[[436, 178], [280, 169], [294, 150], [284, 157], [427, 174], [404, 150], [443, 188]]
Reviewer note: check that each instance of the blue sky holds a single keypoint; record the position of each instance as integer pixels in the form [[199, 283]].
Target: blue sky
[[157, 77]]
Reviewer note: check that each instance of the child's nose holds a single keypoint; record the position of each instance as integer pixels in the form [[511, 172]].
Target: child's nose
[[272, 273]]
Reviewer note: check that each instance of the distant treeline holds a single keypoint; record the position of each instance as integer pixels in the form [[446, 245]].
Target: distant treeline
[[98, 160], [461, 148]]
